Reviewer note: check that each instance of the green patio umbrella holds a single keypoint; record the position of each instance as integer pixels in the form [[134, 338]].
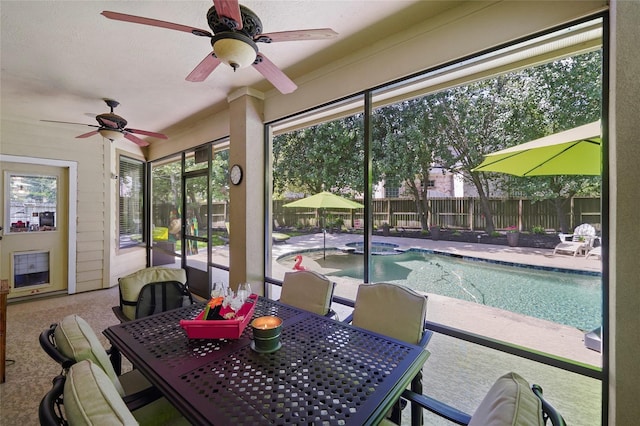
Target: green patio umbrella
[[573, 152], [322, 201]]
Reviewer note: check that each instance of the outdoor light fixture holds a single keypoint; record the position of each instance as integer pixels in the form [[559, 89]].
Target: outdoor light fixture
[[234, 49]]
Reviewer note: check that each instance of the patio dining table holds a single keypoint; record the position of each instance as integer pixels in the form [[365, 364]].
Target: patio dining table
[[326, 372]]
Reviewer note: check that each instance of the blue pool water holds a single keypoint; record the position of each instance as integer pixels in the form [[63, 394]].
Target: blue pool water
[[565, 298]]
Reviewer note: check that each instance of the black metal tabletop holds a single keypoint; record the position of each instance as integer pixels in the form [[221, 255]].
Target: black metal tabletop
[[326, 373]]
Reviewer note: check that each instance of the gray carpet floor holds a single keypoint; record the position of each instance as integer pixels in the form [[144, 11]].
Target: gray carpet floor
[[30, 370]]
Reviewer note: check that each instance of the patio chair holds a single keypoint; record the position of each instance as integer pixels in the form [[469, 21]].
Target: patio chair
[[509, 402], [152, 290], [581, 240], [73, 340], [86, 396], [308, 290], [398, 312]]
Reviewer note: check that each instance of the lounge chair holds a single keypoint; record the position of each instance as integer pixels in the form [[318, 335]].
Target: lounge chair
[[595, 252], [581, 240]]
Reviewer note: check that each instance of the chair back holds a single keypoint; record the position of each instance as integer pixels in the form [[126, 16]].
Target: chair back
[[75, 339], [582, 231], [307, 290], [391, 310], [88, 397], [131, 285], [162, 296]]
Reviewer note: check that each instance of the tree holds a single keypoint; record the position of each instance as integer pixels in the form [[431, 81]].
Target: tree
[[327, 156], [564, 94], [513, 108], [402, 151]]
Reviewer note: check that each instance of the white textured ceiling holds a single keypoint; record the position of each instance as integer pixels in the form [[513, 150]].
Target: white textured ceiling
[[59, 59]]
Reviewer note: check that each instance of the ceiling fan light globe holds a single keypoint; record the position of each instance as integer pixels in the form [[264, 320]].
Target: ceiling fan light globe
[[112, 135], [234, 50]]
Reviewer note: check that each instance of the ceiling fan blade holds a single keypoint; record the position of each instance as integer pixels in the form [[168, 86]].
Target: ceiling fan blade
[[86, 135], [297, 35], [272, 73], [108, 123], [135, 139], [204, 68], [147, 133], [155, 23], [229, 9], [68, 122]]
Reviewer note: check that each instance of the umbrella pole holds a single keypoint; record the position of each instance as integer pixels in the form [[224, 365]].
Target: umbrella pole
[[324, 243]]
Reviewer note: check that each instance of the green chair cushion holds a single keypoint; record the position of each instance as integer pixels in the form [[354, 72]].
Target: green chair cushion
[[391, 310], [131, 285], [76, 339], [91, 399], [307, 290], [510, 401]]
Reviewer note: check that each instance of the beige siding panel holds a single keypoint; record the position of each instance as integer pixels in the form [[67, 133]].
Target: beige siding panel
[[90, 198], [91, 211], [90, 246], [95, 265], [89, 275], [89, 285], [90, 236], [89, 224], [88, 255]]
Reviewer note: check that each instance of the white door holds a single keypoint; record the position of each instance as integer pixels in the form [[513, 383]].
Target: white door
[[34, 217]]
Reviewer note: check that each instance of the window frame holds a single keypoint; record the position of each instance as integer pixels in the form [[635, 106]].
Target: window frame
[[139, 189]]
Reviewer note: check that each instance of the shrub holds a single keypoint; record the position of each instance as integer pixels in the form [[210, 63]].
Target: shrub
[[538, 230]]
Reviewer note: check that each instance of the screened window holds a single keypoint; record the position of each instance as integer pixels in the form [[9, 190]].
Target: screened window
[[131, 206]]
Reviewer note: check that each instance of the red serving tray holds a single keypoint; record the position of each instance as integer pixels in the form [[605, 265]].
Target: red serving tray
[[220, 329]]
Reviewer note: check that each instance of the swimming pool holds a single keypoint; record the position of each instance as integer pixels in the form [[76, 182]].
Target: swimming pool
[[565, 298]]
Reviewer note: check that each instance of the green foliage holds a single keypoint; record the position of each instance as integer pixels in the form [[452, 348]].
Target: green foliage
[[538, 230], [321, 157], [495, 234], [452, 129]]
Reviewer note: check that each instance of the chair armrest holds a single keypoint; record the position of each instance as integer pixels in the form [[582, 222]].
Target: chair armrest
[[50, 411], [116, 359], [441, 409], [119, 314], [46, 342], [140, 399], [426, 337], [548, 411]]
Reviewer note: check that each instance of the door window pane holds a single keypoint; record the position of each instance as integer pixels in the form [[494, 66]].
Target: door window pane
[[32, 203]]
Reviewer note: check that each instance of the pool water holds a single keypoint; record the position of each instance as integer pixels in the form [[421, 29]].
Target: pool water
[[565, 298], [377, 249]]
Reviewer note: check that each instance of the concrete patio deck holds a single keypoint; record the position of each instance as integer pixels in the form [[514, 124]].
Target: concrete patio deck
[[545, 336]]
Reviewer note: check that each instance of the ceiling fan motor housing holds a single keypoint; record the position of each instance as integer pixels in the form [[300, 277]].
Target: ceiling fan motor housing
[[111, 121], [251, 24]]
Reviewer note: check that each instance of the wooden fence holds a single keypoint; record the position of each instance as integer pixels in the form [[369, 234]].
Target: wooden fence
[[454, 213]]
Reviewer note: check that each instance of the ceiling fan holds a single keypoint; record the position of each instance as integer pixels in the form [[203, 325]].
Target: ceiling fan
[[236, 30], [113, 127]]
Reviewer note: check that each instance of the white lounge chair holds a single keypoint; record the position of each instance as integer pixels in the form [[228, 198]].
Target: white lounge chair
[[595, 252], [581, 240]]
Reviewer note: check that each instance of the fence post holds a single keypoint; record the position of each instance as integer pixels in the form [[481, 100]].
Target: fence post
[[520, 211]]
